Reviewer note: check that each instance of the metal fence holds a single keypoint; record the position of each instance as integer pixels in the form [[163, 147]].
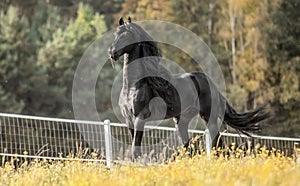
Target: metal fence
[[41, 137]]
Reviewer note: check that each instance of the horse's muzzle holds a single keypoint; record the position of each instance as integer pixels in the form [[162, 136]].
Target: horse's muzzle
[[113, 54], [113, 57]]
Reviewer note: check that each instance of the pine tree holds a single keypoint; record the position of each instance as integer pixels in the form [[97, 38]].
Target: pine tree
[[61, 55], [18, 74], [284, 57]]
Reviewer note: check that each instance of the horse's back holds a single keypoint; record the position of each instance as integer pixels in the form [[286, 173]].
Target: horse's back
[[206, 91]]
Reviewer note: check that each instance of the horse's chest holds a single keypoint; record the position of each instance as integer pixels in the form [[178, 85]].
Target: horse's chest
[[134, 100]]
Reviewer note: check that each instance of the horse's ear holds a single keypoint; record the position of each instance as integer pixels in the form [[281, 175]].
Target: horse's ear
[[121, 21], [129, 19]]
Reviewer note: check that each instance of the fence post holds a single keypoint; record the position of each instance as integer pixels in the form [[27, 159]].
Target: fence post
[[108, 143], [296, 146], [208, 143]]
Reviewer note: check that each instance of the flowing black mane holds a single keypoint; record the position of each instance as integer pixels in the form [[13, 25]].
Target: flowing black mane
[[142, 37], [159, 81]]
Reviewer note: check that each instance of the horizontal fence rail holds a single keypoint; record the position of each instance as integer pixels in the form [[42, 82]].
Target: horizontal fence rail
[[53, 138]]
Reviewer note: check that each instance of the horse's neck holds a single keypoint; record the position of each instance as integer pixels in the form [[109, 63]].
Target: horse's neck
[[138, 65], [132, 72]]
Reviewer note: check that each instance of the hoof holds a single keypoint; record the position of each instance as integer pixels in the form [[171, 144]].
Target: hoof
[[136, 154]]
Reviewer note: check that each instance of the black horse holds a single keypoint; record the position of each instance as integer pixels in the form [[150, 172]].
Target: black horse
[[150, 92]]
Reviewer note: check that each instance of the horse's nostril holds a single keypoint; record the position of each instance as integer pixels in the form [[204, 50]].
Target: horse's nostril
[[110, 51]]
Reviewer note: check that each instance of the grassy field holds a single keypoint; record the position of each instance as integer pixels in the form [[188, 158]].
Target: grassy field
[[240, 169]]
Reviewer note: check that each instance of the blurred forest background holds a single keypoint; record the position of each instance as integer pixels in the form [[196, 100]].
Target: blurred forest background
[[257, 43]]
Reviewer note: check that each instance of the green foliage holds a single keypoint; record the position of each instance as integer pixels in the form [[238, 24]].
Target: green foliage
[[108, 8], [284, 51], [15, 61], [61, 55], [284, 59], [38, 60]]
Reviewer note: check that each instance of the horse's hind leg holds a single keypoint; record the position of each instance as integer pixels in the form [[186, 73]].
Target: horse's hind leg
[[213, 127], [182, 124]]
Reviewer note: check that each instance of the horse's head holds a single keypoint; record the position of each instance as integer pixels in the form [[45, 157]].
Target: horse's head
[[124, 40], [128, 36]]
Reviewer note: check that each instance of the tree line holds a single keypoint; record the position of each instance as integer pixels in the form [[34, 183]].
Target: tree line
[[256, 43]]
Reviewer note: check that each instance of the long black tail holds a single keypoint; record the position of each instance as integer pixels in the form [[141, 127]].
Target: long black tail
[[245, 122]]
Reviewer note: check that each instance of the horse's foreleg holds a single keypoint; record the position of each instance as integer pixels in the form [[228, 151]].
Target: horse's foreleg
[[130, 126], [137, 139], [136, 144], [131, 130]]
